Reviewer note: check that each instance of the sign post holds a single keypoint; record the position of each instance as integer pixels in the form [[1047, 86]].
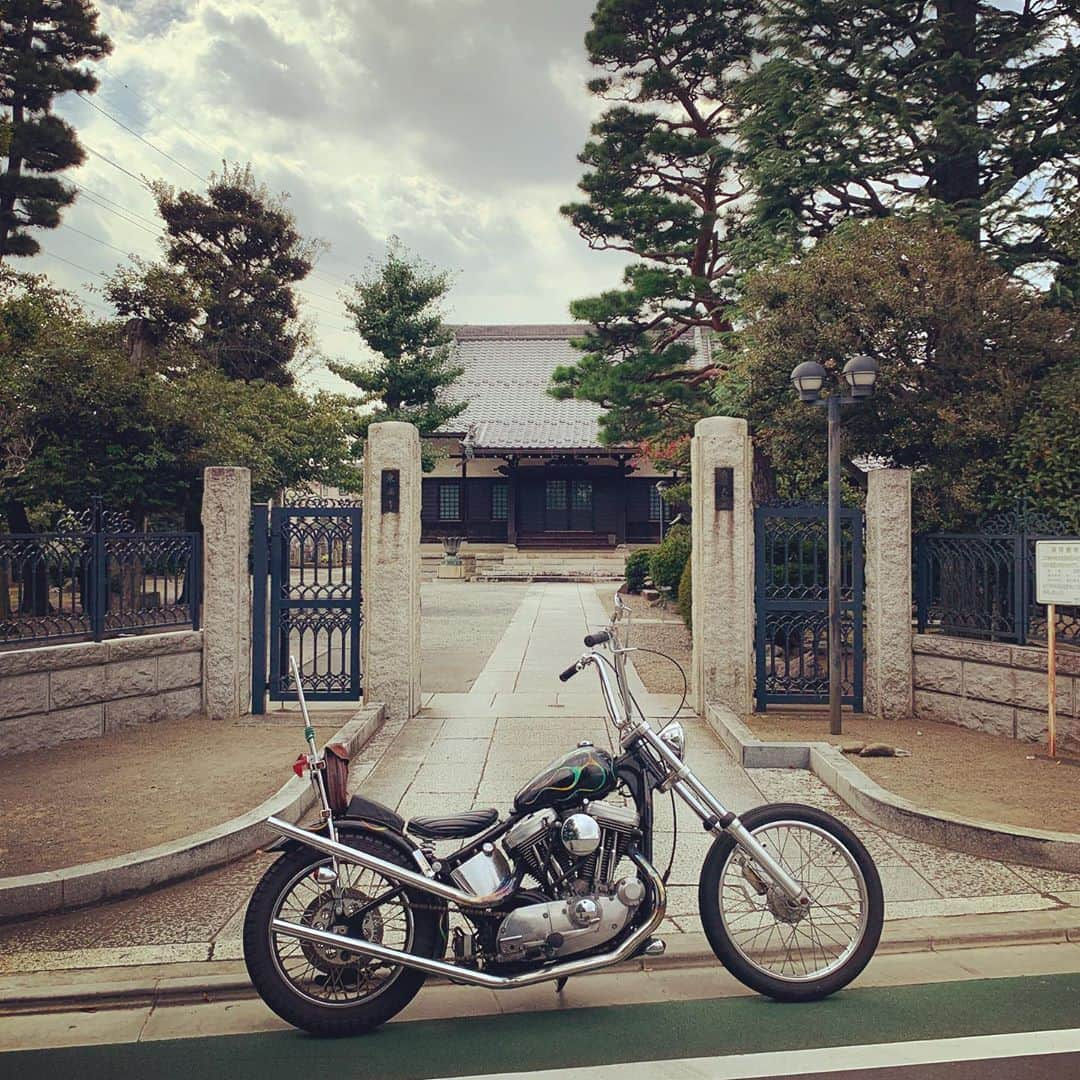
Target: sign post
[[1057, 581]]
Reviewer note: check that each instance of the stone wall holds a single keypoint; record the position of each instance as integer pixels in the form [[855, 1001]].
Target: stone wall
[[995, 687], [54, 693]]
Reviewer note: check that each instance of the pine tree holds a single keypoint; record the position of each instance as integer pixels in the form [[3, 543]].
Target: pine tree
[[240, 251], [662, 185], [42, 43], [395, 308], [969, 108]]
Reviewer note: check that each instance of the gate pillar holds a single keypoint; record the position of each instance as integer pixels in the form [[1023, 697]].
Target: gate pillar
[[391, 568], [888, 594], [226, 620], [723, 564]]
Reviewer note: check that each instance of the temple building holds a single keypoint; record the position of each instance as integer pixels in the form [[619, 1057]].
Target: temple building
[[519, 467]]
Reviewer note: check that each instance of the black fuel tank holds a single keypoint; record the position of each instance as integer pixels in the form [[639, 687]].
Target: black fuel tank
[[585, 773]]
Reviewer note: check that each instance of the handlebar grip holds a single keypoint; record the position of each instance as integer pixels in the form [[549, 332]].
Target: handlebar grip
[[592, 640], [569, 673]]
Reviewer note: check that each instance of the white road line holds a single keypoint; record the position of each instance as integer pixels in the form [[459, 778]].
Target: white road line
[[838, 1059]]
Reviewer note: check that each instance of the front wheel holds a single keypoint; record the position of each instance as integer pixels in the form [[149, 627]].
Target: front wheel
[[784, 951]]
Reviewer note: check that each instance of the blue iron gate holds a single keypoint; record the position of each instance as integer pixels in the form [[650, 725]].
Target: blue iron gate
[[311, 555], [791, 595]]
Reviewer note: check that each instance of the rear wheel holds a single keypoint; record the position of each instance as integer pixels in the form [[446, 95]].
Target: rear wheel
[[327, 990], [780, 949]]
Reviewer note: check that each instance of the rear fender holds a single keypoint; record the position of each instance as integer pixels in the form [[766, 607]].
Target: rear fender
[[354, 826]]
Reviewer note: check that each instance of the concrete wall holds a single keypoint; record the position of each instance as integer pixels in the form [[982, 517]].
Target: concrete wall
[[54, 693], [995, 687]]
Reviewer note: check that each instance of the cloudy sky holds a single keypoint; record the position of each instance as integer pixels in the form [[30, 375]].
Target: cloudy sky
[[453, 124]]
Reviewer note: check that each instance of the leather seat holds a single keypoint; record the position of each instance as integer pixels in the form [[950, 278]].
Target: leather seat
[[454, 826]]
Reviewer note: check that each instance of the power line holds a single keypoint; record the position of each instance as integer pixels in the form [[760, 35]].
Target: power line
[[97, 240], [70, 262], [100, 205], [160, 111], [109, 161], [113, 202], [142, 139]]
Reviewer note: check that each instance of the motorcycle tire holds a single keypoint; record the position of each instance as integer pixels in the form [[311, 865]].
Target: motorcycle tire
[[774, 825], [425, 916]]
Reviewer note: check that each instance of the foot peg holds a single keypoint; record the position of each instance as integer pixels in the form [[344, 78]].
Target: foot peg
[[654, 947]]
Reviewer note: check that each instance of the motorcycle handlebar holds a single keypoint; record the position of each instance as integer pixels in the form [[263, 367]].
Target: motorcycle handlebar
[[592, 640]]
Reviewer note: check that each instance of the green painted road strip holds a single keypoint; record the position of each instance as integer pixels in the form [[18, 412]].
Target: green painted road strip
[[586, 1037]]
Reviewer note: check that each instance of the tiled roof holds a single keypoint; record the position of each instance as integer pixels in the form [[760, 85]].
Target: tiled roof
[[507, 372]]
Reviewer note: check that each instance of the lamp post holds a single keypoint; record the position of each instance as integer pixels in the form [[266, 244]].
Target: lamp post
[[860, 374]]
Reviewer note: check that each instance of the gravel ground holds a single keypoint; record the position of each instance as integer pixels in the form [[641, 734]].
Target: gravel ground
[[461, 622], [951, 768], [654, 628]]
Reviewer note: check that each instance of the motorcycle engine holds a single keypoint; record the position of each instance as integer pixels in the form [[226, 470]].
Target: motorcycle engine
[[576, 857]]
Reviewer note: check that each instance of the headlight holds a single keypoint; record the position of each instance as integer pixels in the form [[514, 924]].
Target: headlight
[[675, 739]]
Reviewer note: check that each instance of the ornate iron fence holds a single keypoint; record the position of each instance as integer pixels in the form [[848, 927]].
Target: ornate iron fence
[[982, 584], [792, 603], [93, 584]]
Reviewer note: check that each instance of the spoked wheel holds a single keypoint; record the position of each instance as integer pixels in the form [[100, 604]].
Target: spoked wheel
[[781, 949], [325, 989]]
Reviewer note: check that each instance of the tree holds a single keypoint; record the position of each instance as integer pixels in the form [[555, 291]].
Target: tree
[[663, 186], [961, 347], [232, 257], [396, 310], [1043, 458], [140, 435], [42, 43], [967, 107]]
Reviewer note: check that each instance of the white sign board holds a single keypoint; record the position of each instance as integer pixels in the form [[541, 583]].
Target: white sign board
[[1057, 571]]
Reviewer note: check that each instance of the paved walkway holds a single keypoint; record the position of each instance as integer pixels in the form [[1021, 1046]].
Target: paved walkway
[[478, 749]]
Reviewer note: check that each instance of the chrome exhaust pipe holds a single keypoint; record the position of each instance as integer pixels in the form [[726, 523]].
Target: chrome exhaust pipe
[[389, 870], [482, 978]]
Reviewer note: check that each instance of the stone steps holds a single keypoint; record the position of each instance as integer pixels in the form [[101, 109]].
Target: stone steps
[[539, 565]]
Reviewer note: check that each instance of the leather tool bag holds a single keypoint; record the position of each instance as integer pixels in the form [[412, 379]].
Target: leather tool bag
[[336, 777]]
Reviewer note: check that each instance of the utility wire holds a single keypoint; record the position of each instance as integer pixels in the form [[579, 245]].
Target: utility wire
[[109, 161], [70, 262], [183, 127], [161, 112], [97, 240], [93, 201], [142, 139], [119, 205]]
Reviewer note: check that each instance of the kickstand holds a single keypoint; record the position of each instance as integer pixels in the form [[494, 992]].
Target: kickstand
[[560, 983]]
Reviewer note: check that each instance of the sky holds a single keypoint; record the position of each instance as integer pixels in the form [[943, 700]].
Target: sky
[[453, 124]]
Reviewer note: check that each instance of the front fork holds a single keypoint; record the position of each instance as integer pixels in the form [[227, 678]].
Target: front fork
[[716, 818]]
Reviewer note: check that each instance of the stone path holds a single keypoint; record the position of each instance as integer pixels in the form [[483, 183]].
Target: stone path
[[478, 749]]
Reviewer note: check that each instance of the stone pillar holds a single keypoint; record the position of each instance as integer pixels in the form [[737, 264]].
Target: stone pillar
[[888, 688], [723, 564], [391, 569], [226, 617]]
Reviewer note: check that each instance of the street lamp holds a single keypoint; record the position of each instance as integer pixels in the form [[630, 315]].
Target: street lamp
[[809, 378]]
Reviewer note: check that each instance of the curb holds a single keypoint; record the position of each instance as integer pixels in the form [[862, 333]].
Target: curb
[[987, 839], [202, 982], [138, 871]]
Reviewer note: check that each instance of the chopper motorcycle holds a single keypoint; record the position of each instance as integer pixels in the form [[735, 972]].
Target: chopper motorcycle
[[345, 926]]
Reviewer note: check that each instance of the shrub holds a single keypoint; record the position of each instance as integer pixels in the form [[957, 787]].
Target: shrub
[[669, 559], [637, 569], [686, 596]]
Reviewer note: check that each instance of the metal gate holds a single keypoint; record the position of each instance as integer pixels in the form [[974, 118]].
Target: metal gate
[[311, 555], [791, 595]]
